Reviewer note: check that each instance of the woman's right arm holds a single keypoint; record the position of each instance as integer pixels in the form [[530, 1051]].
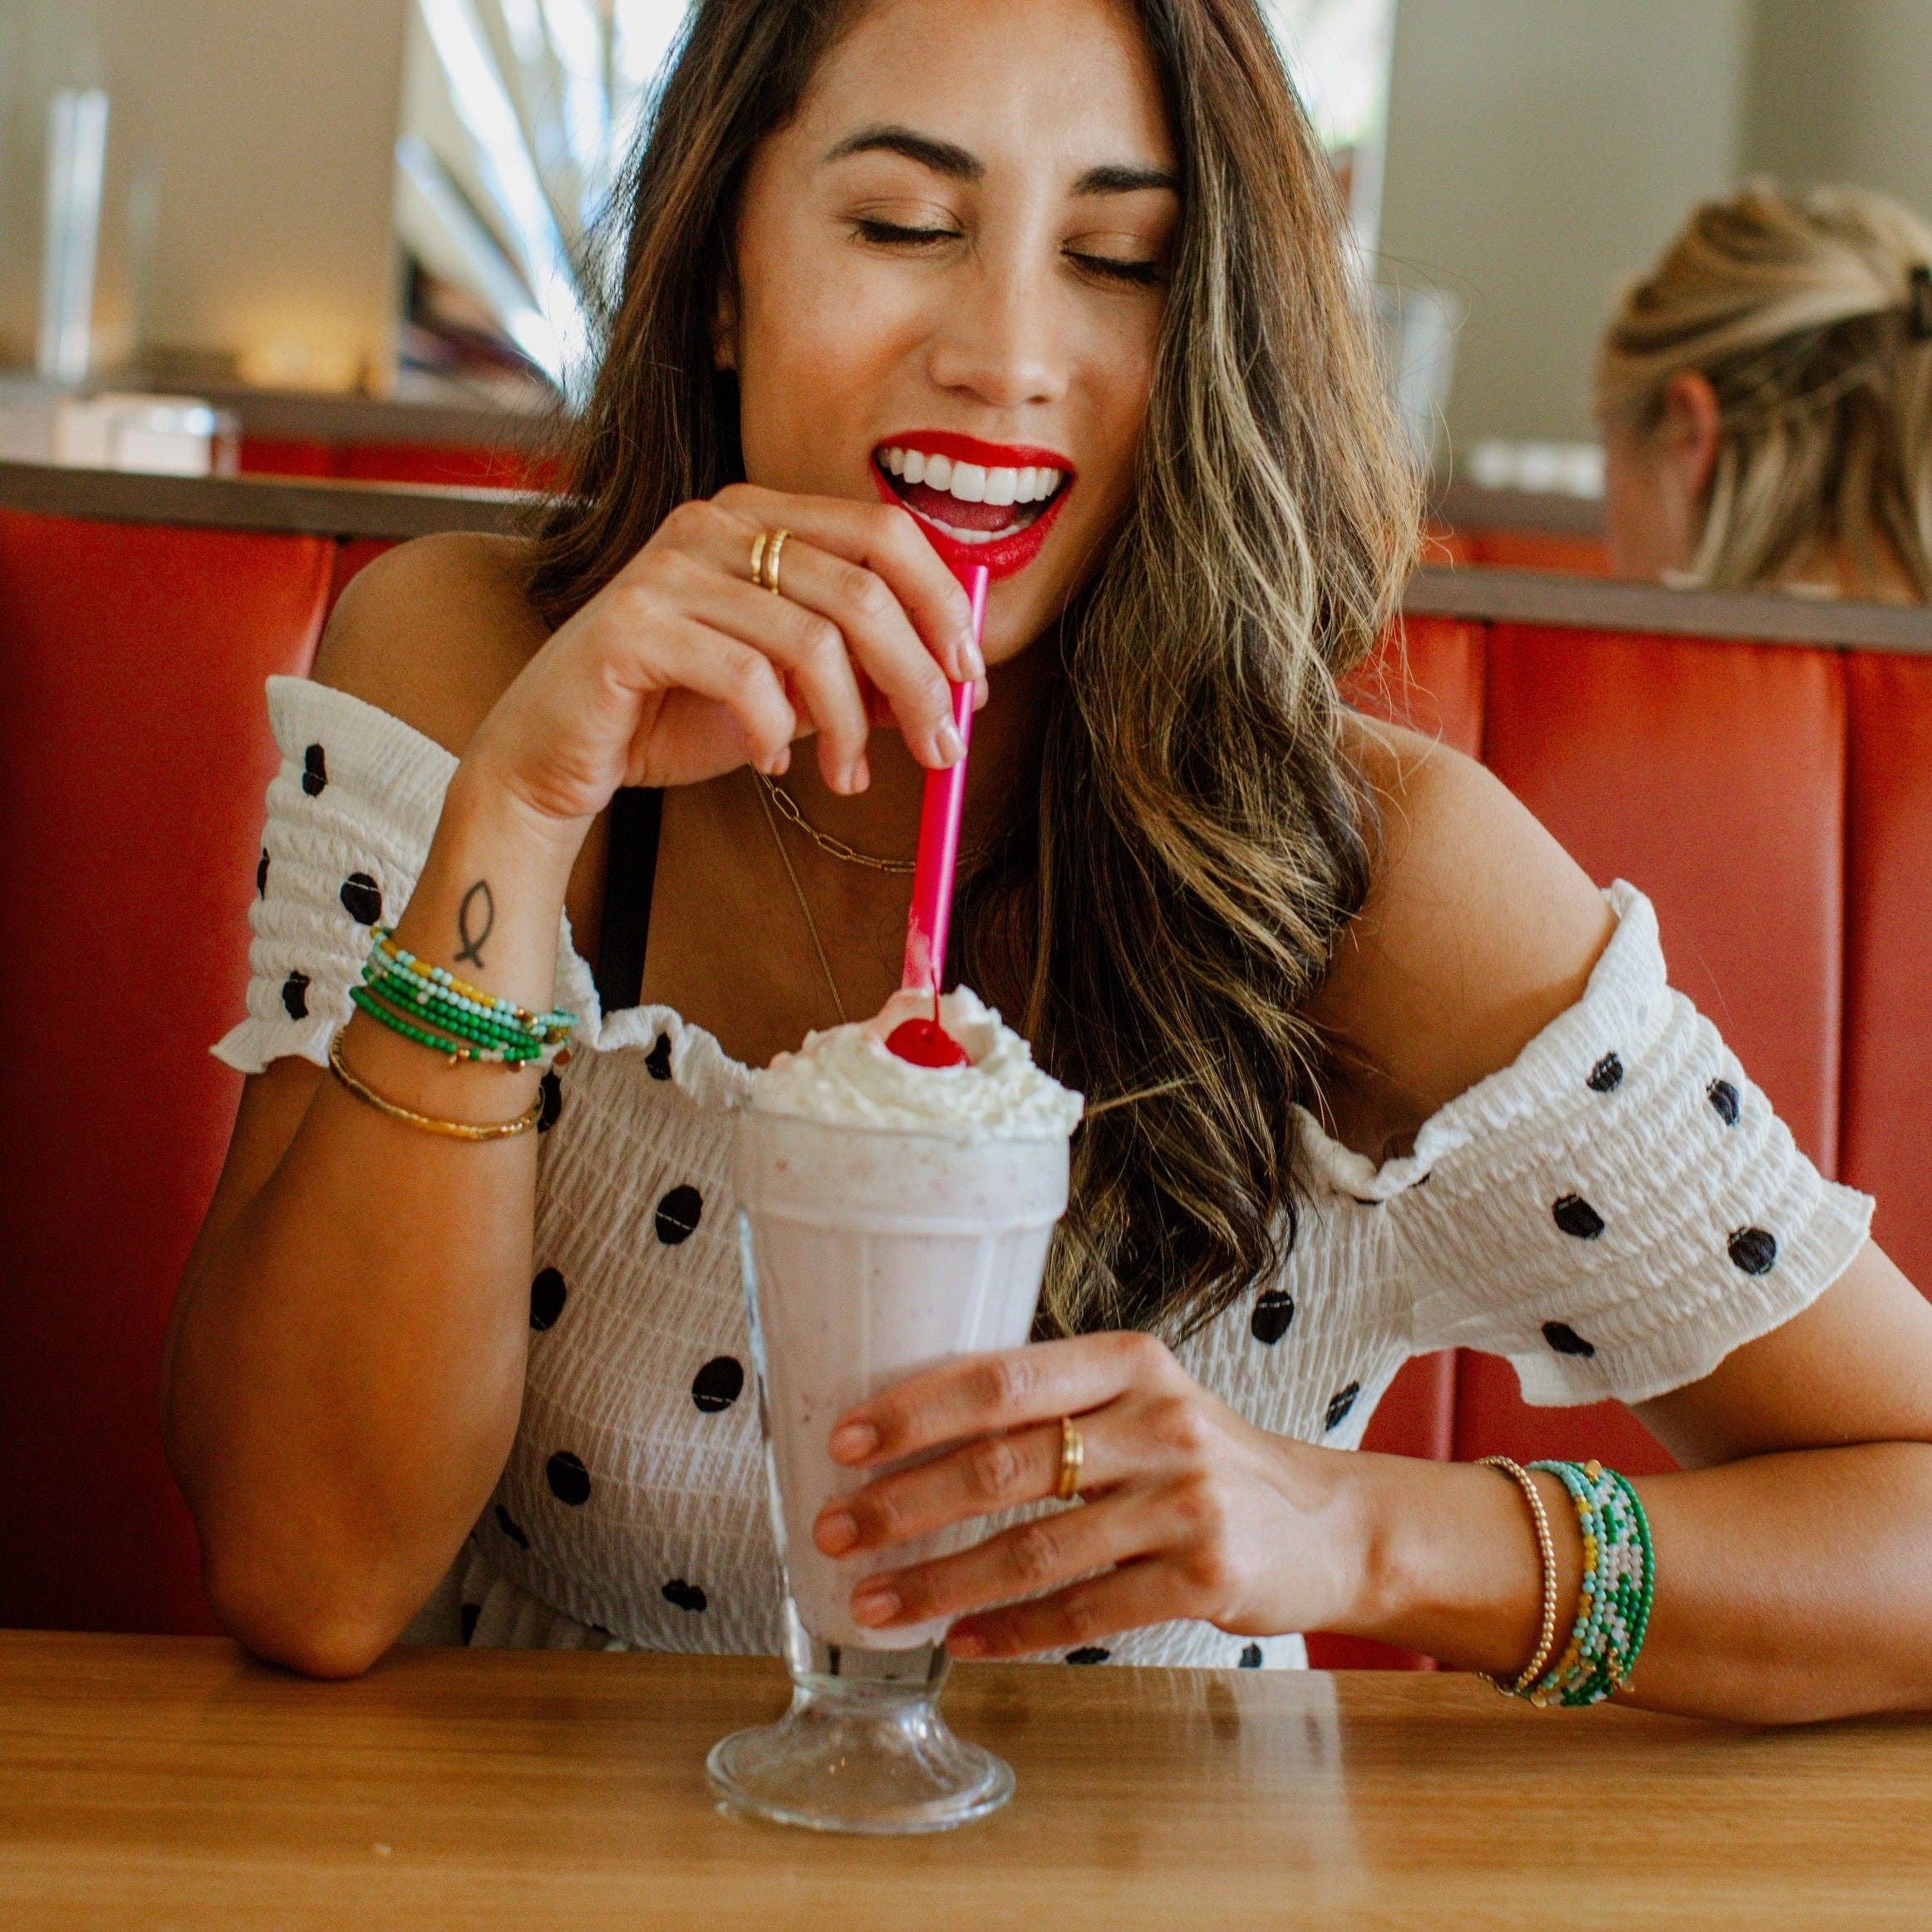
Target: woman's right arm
[[344, 1367]]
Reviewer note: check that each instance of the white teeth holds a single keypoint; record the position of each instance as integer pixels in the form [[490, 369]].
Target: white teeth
[[1025, 489], [895, 461], [1002, 485], [972, 482], [969, 482], [1049, 481], [939, 473], [914, 469]]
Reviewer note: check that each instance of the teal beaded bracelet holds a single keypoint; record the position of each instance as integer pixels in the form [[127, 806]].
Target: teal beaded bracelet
[[1613, 1608], [439, 984], [485, 1030]]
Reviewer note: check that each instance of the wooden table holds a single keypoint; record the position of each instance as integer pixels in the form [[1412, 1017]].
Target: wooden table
[[151, 1782]]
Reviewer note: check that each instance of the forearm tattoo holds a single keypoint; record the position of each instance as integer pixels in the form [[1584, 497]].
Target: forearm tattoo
[[477, 905]]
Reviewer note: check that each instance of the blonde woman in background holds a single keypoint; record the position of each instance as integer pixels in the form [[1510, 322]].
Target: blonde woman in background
[[1766, 397]]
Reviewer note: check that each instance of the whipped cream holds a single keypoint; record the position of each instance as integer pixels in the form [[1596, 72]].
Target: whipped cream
[[846, 1077]]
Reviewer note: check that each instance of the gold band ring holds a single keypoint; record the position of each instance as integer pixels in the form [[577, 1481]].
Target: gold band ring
[[766, 550], [1073, 1452]]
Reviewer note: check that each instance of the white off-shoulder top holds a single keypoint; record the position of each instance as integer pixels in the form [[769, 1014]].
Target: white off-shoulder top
[[1614, 1211]]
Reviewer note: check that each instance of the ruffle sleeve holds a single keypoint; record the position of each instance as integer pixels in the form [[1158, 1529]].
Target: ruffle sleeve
[[1620, 1208], [352, 812]]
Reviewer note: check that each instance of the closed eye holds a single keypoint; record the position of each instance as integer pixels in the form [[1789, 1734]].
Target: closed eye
[[895, 235], [1113, 269]]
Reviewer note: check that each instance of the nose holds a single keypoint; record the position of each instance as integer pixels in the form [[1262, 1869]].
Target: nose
[[1000, 337]]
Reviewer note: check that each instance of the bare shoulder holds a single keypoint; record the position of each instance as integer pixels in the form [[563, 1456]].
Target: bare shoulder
[[434, 633], [1479, 930]]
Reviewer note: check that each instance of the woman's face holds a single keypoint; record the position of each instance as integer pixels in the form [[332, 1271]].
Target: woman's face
[[951, 267]]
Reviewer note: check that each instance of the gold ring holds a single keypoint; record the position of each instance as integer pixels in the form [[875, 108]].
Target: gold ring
[[1073, 1450], [758, 543], [768, 572]]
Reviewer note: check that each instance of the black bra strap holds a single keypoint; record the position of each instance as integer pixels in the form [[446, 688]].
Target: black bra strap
[[630, 872]]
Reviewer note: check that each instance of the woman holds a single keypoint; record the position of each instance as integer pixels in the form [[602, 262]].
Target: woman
[[1766, 398], [1058, 284]]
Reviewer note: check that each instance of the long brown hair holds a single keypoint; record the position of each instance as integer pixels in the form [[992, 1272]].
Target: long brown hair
[[1802, 313], [1169, 896]]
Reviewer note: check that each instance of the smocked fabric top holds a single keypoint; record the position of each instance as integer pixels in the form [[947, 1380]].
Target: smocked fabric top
[[1615, 1211]]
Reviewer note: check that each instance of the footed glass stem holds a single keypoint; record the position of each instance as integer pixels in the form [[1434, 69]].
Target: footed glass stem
[[863, 1748]]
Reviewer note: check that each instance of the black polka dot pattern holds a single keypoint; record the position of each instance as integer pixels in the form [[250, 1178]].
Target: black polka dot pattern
[[678, 1215], [1088, 1653], [261, 875], [1753, 1250], [471, 1612], [315, 771], [1339, 1405], [719, 1384], [511, 1527], [1273, 1314], [1576, 1216], [1606, 1076], [295, 996], [552, 1090], [683, 1596], [568, 1479], [1250, 1657], [548, 1292], [361, 898], [1723, 1098], [1565, 1340], [657, 1061]]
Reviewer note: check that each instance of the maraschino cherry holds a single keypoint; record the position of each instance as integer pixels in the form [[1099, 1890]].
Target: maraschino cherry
[[925, 1043]]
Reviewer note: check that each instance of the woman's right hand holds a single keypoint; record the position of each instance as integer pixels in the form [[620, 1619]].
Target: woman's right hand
[[682, 668]]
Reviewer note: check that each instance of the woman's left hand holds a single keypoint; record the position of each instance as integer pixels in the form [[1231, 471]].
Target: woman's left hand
[[1190, 1511]]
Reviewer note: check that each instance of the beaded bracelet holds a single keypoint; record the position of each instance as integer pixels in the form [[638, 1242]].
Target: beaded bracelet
[[439, 984], [479, 1030], [431, 1006], [1613, 1607], [456, 1049]]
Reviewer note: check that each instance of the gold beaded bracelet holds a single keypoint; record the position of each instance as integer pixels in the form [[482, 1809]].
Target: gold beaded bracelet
[[1546, 1549], [453, 1129]]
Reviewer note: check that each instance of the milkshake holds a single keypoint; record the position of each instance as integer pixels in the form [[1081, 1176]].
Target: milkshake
[[893, 1216]]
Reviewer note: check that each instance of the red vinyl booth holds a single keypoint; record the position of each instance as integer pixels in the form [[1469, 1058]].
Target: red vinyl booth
[[1775, 801]]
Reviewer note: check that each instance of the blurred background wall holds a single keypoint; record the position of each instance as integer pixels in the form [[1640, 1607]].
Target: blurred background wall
[[1538, 150], [1541, 150], [246, 223]]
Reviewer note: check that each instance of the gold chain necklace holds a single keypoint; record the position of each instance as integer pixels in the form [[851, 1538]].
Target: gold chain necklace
[[776, 795], [766, 787]]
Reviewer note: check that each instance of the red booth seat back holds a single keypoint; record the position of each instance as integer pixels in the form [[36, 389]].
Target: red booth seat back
[[1776, 802]]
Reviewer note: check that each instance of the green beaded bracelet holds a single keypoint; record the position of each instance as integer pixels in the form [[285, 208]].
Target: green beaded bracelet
[[456, 1050], [1613, 1610], [487, 1030]]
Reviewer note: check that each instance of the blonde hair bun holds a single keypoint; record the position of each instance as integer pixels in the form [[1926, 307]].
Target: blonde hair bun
[[1802, 312]]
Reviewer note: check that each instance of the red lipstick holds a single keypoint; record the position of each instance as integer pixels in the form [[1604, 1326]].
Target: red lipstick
[[1002, 556]]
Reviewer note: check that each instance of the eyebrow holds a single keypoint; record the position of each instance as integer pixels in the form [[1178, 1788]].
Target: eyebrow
[[955, 162]]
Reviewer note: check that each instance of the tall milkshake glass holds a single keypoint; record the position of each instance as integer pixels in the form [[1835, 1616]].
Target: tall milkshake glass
[[869, 1254]]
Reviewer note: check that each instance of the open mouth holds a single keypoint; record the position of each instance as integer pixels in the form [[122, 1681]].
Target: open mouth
[[972, 503]]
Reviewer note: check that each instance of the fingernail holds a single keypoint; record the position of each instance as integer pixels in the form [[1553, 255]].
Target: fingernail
[[950, 746], [853, 1442], [780, 763], [963, 1640], [858, 776], [837, 1533], [876, 1602], [972, 659]]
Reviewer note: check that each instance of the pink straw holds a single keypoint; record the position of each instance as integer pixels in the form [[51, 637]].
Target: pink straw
[[938, 857]]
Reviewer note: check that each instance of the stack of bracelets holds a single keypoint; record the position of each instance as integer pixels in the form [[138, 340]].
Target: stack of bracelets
[[1613, 1606], [431, 1005]]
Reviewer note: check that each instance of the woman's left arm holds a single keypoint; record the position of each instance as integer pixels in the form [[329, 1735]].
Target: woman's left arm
[[1794, 1552]]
